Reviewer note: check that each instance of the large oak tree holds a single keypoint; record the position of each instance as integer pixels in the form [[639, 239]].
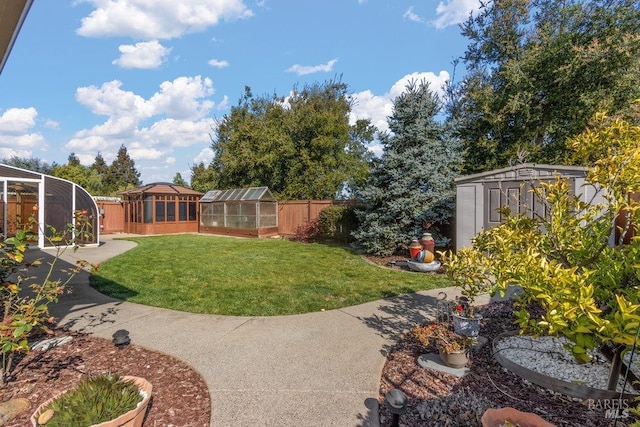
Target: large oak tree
[[537, 71]]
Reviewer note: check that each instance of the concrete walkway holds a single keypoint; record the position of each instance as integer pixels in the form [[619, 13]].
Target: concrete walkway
[[316, 369]]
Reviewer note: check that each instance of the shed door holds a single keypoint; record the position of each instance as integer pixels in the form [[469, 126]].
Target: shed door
[[497, 194], [518, 196]]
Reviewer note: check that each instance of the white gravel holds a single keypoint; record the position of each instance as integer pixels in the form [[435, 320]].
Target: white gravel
[[547, 356]]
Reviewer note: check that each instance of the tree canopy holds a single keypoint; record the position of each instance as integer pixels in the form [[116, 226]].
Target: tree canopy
[[301, 147], [100, 178], [537, 71], [29, 163]]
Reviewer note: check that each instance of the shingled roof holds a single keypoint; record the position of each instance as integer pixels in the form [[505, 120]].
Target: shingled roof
[[162, 188]]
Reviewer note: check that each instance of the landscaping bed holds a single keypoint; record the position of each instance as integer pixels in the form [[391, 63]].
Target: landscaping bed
[[180, 396], [438, 399]]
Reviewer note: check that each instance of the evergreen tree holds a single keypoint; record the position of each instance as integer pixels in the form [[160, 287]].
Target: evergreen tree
[[122, 172], [73, 160], [178, 180], [101, 168], [203, 178], [411, 187]]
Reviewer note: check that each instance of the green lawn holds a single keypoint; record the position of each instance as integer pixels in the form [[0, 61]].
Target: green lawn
[[252, 277]]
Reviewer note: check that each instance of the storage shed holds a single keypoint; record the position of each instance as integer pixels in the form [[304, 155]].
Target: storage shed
[[51, 200], [243, 212], [160, 208], [480, 196]]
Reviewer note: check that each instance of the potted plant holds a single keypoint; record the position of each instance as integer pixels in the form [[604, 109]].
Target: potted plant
[[465, 319], [452, 348], [105, 400], [468, 271]]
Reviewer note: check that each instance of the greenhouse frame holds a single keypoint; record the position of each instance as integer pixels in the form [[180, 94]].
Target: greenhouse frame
[[242, 212], [51, 200]]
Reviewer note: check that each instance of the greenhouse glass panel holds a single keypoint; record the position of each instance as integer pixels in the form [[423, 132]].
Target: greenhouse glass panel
[[268, 214]]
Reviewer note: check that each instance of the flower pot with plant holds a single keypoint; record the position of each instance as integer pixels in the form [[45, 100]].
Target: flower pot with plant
[[468, 271], [465, 319], [105, 400], [452, 348]]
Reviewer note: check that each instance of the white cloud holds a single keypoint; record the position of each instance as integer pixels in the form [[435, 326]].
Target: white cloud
[[176, 133], [378, 108], [302, 70], [52, 124], [138, 152], [17, 120], [17, 136], [369, 106], [158, 19], [185, 97], [110, 100], [174, 118], [144, 55], [224, 104], [218, 63], [449, 12], [436, 83], [411, 16], [206, 155], [454, 12], [23, 142]]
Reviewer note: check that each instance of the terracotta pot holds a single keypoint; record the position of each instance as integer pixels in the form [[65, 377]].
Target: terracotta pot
[[456, 359], [497, 417], [133, 418], [414, 249]]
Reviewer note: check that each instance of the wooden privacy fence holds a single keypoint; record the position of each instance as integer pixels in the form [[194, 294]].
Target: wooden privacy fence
[[111, 216], [291, 214], [294, 213]]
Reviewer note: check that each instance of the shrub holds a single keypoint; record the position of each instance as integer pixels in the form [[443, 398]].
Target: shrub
[[24, 313], [308, 232], [96, 399], [338, 222]]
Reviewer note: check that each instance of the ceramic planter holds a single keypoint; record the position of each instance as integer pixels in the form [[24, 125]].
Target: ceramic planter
[[469, 327], [133, 418], [456, 359]]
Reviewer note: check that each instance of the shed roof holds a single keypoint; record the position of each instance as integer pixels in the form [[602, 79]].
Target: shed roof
[[162, 188], [523, 171], [237, 194]]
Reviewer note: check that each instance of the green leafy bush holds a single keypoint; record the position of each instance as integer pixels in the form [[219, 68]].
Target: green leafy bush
[[338, 222]]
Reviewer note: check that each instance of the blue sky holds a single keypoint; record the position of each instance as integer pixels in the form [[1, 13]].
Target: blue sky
[[86, 76]]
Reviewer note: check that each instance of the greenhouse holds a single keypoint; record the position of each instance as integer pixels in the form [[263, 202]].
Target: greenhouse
[[248, 212], [52, 201]]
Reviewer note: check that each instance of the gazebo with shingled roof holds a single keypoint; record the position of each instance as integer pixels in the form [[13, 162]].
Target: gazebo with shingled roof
[[160, 208]]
